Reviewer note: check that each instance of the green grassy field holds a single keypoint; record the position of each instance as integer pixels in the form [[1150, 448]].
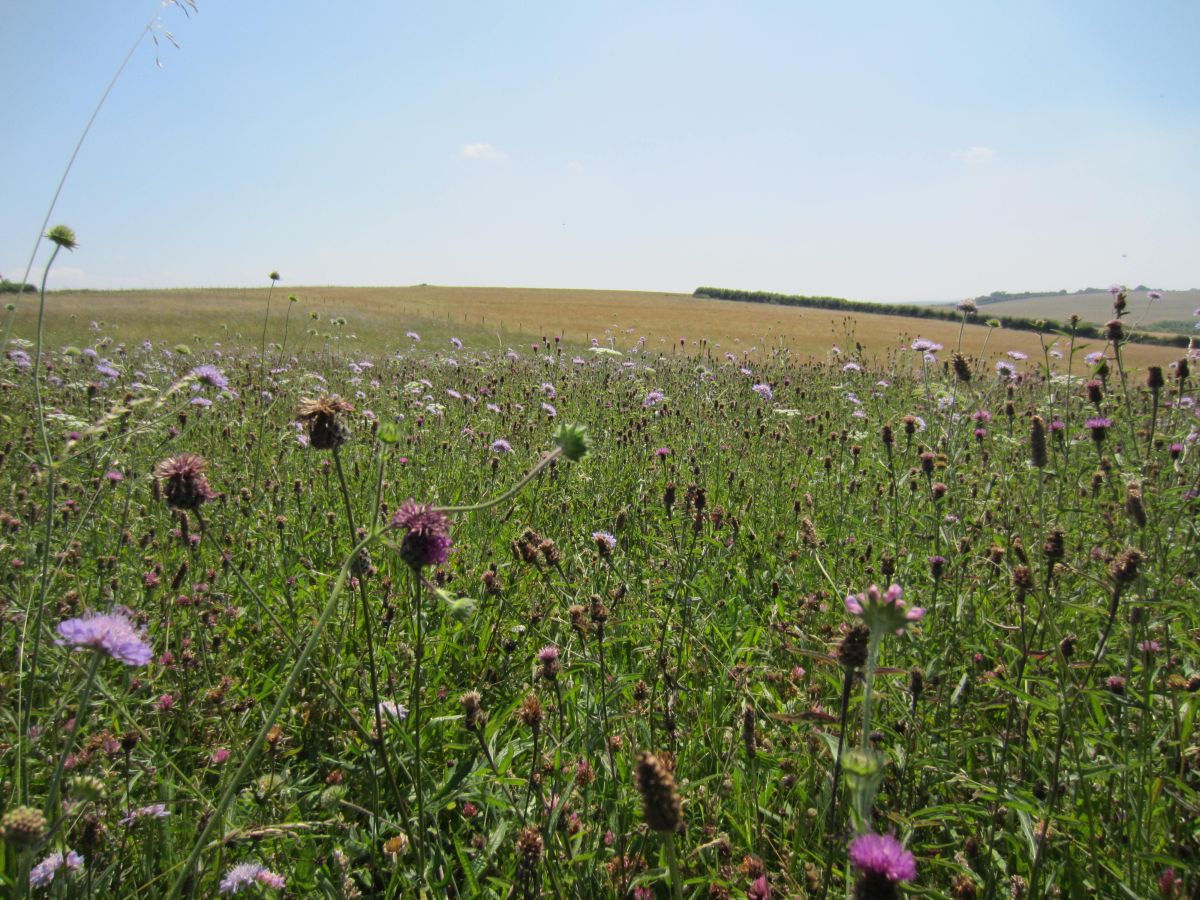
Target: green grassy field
[[1096, 307]]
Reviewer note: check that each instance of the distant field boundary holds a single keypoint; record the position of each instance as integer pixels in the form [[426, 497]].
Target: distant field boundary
[[1017, 323]]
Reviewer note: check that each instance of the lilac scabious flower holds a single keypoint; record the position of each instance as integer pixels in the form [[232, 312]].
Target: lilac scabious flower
[[245, 874], [653, 398], [211, 376], [1092, 358], [884, 611], [20, 359], [457, 343], [883, 862], [389, 709], [549, 410], [500, 445], [923, 345], [153, 811], [763, 390], [413, 335], [1017, 355], [426, 541], [113, 633], [45, 871], [201, 402], [107, 371]]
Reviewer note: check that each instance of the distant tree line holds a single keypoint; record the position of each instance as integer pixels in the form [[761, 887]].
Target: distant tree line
[[15, 287], [1017, 323]]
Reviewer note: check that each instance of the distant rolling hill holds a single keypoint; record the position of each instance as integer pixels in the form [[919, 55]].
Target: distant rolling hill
[[1174, 309]]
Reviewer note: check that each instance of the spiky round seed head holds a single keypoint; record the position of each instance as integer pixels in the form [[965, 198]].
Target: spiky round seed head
[[322, 418], [184, 482], [962, 368], [1037, 442], [662, 809], [530, 712], [1124, 569]]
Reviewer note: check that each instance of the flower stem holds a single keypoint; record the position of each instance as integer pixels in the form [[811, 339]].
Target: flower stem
[[80, 718], [188, 869]]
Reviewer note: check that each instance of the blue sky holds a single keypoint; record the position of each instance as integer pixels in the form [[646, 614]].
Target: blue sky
[[874, 150]]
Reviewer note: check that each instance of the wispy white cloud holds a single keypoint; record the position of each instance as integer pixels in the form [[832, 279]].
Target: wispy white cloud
[[575, 166], [976, 156], [484, 152]]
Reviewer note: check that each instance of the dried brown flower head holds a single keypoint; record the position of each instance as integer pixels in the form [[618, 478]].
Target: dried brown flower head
[[322, 419]]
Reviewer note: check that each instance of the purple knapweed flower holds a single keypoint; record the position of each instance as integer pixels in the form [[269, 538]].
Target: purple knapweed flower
[[884, 611], [882, 860], [113, 633], [426, 541], [605, 542]]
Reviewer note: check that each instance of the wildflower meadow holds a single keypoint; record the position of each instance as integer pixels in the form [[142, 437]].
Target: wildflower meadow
[[598, 620]]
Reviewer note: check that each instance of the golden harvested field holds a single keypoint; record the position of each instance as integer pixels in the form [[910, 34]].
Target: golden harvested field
[[378, 318]]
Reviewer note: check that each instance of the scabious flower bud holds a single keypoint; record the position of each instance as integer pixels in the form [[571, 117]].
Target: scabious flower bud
[[573, 441], [23, 826], [63, 236]]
